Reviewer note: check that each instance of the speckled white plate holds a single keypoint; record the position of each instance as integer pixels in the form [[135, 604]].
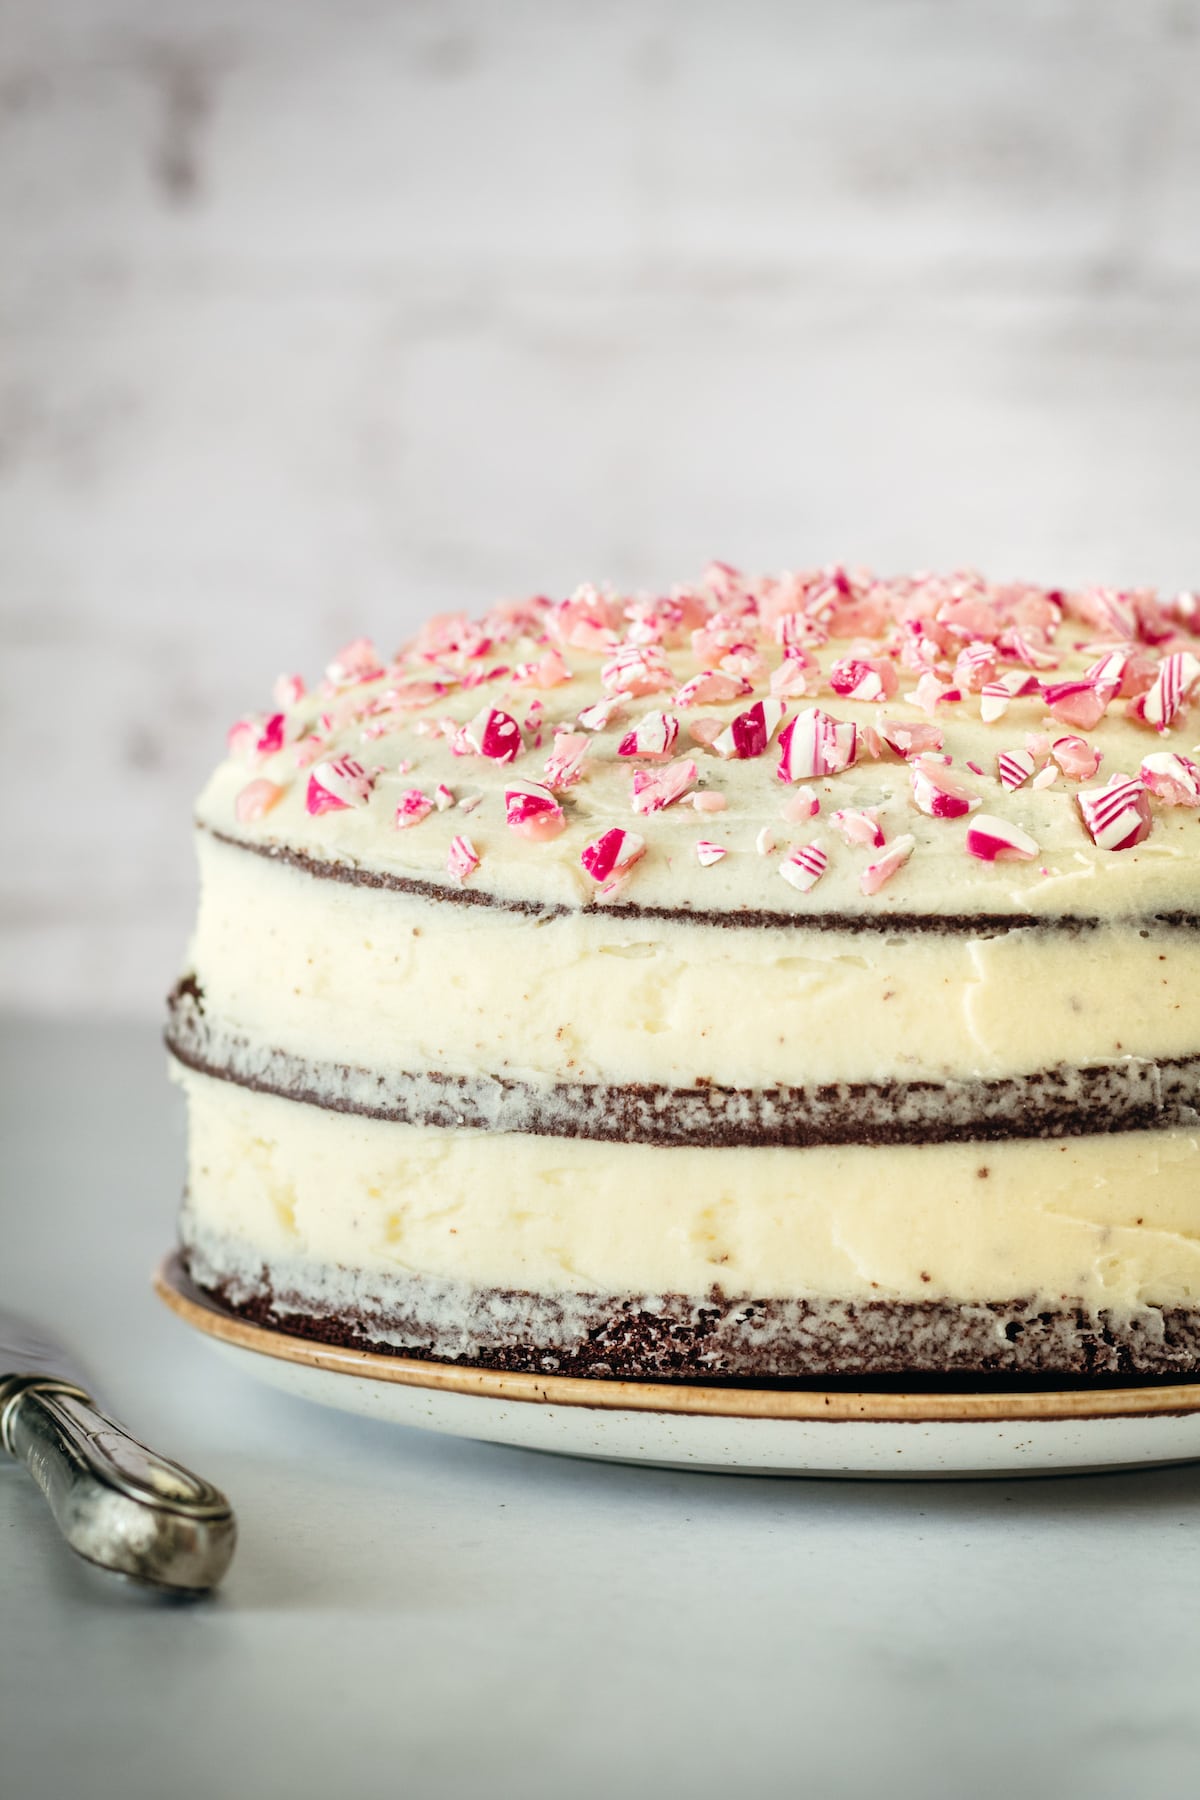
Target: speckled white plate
[[808, 1431]]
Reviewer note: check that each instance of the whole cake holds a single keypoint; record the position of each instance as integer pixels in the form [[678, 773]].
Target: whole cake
[[771, 978]]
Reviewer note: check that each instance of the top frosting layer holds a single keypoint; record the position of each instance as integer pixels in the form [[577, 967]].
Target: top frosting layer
[[804, 744]]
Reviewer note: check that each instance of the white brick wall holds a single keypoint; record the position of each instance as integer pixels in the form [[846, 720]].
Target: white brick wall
[[315, 315]]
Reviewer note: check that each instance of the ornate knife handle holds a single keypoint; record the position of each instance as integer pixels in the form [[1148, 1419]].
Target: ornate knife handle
[[117, 1503]]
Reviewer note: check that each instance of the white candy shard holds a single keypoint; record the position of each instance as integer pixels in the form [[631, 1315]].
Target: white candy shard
[[462, 860], [708, 853], [653, 735], [804, 867], [1014, 767], [859, 826], [1116, 816], [1174, 780], [814, 744], [894, 857]]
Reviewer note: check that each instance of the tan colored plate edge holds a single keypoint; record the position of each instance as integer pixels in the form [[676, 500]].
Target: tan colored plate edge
[[173, 1288]]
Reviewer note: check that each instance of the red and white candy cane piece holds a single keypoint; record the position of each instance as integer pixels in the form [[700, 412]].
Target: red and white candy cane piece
[[612, 855], [1116, 816], [995, 696], [335, 785], [653, 735], [271, 738], [491, 733], [1075, 757], [876, 874], [637, 669], [804, 867], [1083, 703], [904, 739], [975, 666], [354, 662], [859, 826], [533, 812], [549, 671], [655, 788], [709, 688], [462, 859], [996, 840], [443, 797], [1172, 688], [863, 678], [751, 732], [567, 760], [814, 743], [256, 800], [938, 793], [1174, 780], [798, 674], [708, 853], [1014, 767], [602, 714], [288, 689], [802, 804], [414, 806]]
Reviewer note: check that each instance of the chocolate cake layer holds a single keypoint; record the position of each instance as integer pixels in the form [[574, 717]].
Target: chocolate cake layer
[[923, 924], [675, 1337], [1130, 1095]]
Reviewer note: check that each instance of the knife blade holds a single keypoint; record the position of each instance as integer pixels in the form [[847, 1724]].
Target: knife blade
[[118, 1503]]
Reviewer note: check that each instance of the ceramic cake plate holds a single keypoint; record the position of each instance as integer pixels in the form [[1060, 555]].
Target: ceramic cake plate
[[893, 1430]]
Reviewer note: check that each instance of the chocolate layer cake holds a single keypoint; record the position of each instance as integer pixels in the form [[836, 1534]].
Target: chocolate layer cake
[[775, 978]]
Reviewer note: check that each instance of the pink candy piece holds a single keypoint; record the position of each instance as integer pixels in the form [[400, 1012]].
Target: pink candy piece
[[288, 689], [1013, 767], [1083, 703], [613, 855], [863, 678], [1075, 757], [751, 732], [798, 674], [859, 827], [1174, 780], [335, 785], [637, 669], [549, 671], [462, 859], [930, 692], [533, 812], [602, 714], [490, 733], [876, 874], [354, 662], [975, 666], [705, 801], [567, 760], [995, 840], [271, 737], [256, 800], [708, 853], [938, 793], [241, 739], [655, 788], [804, 867], [654, 735], [803, 804], [443, 799], [1172, 688], [709, 688], [813, 744], [995, 696], [1116, 816], [414, 806], [907, 740]]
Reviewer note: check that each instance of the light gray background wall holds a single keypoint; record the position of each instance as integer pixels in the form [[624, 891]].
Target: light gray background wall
[[317, 315]]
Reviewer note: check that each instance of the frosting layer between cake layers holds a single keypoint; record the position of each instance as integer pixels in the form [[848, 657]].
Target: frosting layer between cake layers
[[672, 1113]]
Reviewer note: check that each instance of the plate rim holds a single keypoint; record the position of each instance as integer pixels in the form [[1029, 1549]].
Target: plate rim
[[196, 1309]]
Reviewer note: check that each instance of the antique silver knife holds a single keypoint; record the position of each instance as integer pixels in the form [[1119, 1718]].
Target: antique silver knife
[[117, 1503]]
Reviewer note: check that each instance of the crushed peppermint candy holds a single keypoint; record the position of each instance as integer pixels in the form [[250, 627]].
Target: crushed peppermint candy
[[804, 867], [654, 789], [1014, 768], [567, 760], [876, 874], [256, 800], [612, 856], [1173, 779], [938, 793], [443, 797], [706, 801], [462, 859], [654, 735], [637, 669], [751, 732], [1077, 759], [709, 688], [766, 843], [1116, 816], [996, 840], [814, 743], [1172, 689], [708, 853], [414, 806], [533, 812], [491, 733], [800, 805], [863, 678], [334, 786], [602, 714], [859, 826]]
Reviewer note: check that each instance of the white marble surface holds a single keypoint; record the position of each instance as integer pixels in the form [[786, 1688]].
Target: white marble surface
[[316, 315], [436, 1618]]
